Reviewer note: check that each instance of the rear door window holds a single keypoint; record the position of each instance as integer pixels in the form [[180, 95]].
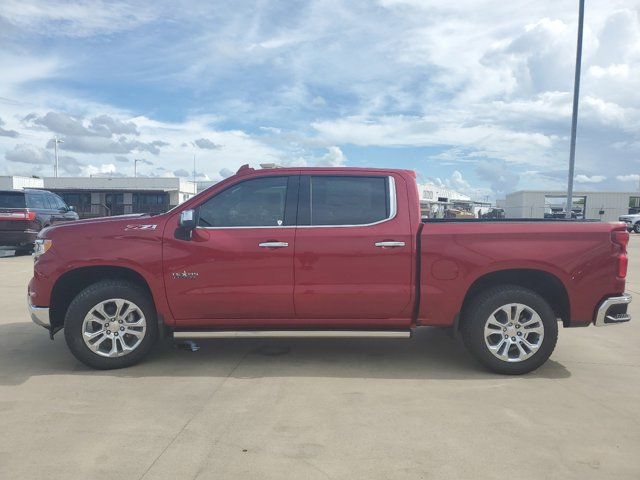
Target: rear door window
[[348, 200], [50, 202], [12, 200], [36, 200]]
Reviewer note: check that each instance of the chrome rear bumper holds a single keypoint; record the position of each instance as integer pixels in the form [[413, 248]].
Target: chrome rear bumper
[[39, 315], [613, 310]]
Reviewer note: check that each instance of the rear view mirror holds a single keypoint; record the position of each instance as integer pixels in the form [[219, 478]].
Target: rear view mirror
[[186, 224]]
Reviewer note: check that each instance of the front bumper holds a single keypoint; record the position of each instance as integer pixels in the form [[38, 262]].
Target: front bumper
[[613, 310], [39, 315]]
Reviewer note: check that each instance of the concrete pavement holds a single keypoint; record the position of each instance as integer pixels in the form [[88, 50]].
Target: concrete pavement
[[317, 408]]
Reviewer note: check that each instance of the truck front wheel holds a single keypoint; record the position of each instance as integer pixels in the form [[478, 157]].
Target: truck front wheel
[[510, 329], [110, 324]]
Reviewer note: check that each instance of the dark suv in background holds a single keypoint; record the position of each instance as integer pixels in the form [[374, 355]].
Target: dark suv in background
[[23, 213]]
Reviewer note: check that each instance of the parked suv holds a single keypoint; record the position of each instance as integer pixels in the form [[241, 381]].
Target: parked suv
[[632, 221], [23, 213]]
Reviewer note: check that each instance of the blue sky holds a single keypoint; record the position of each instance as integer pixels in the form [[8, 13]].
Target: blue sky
[[474, 95]]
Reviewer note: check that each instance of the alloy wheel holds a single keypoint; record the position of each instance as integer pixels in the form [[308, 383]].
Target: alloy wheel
[[513, 332], [114, 327]]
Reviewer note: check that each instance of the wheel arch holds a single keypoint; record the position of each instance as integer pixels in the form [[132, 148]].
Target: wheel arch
[[74, 281], [546, 284]]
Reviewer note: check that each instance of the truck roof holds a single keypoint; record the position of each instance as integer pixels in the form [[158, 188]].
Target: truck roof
[[246, 169]]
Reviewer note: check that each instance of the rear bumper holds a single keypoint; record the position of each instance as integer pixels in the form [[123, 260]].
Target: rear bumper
[[39, 315], [9, 238], [613, 310]]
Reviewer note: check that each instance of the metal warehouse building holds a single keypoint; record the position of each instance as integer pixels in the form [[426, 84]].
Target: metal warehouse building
[[18, 182], [103, 196], [606, 206]]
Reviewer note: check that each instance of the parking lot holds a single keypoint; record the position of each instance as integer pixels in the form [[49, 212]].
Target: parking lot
[[307, 408]]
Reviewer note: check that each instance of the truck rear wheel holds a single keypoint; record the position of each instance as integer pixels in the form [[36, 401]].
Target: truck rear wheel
[[110, 324], [510, 329], [636, 227]]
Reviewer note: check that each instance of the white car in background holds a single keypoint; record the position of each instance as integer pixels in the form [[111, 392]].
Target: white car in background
[[632, 221]]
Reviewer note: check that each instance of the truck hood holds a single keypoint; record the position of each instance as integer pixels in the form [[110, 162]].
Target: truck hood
[[133, 221]]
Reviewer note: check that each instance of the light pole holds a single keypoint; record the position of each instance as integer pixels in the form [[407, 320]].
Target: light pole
[[574, 117], [56, 141], [135, 166]]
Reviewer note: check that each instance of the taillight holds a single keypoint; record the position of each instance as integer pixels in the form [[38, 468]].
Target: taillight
[[621, 239], [623, 263], [25, 214]]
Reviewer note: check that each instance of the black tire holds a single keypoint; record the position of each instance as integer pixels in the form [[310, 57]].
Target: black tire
[[90, 297], [636, 227], [481, 309], [20, 251]]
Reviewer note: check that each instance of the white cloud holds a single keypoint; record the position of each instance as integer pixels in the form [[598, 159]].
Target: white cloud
[[628, 178], [76, 19], [26, 153], [457, 182], [333, 158], [590, 179]]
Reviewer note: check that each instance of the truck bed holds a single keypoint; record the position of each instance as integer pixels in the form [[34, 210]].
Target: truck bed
[[457, 253]]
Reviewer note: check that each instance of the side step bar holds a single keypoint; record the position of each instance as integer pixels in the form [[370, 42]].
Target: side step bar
[[292, 334]]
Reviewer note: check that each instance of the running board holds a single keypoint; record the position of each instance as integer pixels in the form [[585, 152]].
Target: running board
[[292, 334]]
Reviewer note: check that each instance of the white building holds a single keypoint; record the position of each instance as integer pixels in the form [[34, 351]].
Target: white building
[[100, 196], [435, 200], [434, 193], [606, 206], [17, 182]]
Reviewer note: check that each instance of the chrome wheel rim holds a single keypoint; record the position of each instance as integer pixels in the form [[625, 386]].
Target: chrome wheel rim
[[514, 332], [114, 328]]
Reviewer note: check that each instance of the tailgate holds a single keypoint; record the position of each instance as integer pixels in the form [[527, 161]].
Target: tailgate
[[13, 219], [12, 211]]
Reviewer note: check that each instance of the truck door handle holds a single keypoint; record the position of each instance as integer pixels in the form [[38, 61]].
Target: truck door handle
[[389, 244], [273, 245]]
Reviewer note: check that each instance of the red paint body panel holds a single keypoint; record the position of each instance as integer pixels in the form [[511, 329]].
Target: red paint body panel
[[101, 242], [331, 277], [454, 255], [340, 273], [236, 278]]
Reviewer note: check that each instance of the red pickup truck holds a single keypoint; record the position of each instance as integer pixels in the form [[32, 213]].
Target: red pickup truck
[[340, 249]]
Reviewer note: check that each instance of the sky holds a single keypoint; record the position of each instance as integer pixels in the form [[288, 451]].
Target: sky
[[473, 95]]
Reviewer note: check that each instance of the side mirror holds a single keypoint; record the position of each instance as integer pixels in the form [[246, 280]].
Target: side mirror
[[187, 219], [71, 208], [186, 224]]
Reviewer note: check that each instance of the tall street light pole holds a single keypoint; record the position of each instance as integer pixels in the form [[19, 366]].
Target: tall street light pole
[[56, 141], [574, 117], [195, 189]]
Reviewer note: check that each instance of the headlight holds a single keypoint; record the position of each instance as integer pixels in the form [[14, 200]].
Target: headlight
[[41, 246]]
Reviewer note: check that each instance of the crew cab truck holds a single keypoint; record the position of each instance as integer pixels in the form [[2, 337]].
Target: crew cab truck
[[324, 249]]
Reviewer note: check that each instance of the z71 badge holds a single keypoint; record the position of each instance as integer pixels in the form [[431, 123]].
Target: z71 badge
[[140, 227]]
